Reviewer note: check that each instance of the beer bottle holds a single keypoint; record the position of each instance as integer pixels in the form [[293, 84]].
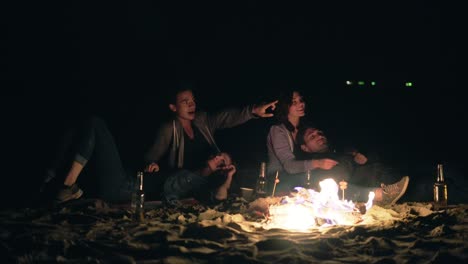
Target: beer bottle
[[307, 182], [440, 189], [138, 199], [261, 186]]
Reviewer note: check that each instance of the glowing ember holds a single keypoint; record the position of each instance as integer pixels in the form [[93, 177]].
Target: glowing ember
[[308, 209]]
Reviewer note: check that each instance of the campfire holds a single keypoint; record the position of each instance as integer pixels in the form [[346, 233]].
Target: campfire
[[308, 209]]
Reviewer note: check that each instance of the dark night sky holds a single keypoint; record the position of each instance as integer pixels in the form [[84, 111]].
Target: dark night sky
[[70, 58]]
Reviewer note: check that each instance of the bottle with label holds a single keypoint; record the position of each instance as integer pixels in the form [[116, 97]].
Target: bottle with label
[[261, 186], [138, 198], [440, 189], [307, 182]]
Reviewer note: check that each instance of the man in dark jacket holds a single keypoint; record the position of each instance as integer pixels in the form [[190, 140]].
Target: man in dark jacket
[[352, 167]]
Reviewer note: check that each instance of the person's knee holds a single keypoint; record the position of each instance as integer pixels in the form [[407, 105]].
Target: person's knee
[[178, 182]]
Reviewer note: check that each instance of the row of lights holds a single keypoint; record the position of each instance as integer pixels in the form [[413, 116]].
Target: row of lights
[[372, 83]]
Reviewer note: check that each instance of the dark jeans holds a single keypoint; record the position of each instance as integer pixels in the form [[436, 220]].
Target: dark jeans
[[373, 174], [182, 184], [91, 144], [357, 193]]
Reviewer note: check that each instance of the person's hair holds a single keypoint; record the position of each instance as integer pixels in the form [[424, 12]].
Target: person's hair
[[170, 97], [175, 88], [177, 91], [282, 108], [220, 153]]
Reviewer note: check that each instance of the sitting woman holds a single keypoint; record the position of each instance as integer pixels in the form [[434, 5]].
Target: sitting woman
[[283, 148]]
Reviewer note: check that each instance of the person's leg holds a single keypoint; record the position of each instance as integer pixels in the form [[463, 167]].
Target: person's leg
[[182, 184], [366, 175], [63, 170], [154, 185], [59, 164], [373, 174], [357, 193], [95, 142], [110, 175], [384, 195], [73, 174]]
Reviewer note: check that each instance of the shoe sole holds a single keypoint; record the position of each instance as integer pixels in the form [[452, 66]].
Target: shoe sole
[[74, 196], [405, 186]]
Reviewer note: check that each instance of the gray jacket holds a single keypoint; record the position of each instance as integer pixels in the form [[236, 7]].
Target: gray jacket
[[170, 136], [281, 156]]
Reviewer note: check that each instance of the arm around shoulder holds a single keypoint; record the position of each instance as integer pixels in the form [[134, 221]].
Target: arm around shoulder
[[282, 145]]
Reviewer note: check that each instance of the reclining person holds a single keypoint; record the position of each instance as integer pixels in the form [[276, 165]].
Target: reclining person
[[314, 145]]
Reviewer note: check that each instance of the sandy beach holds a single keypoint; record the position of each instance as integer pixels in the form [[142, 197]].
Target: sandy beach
[[91, 231]]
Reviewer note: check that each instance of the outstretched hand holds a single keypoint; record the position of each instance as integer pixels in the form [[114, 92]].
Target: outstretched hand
[[261, 110]]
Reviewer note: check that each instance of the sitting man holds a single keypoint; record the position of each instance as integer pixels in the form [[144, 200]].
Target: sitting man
[[352, 167], [91, 142]]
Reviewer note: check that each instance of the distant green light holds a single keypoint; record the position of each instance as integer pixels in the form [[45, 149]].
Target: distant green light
[[361, 83], [408, 84], [372, 83]]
